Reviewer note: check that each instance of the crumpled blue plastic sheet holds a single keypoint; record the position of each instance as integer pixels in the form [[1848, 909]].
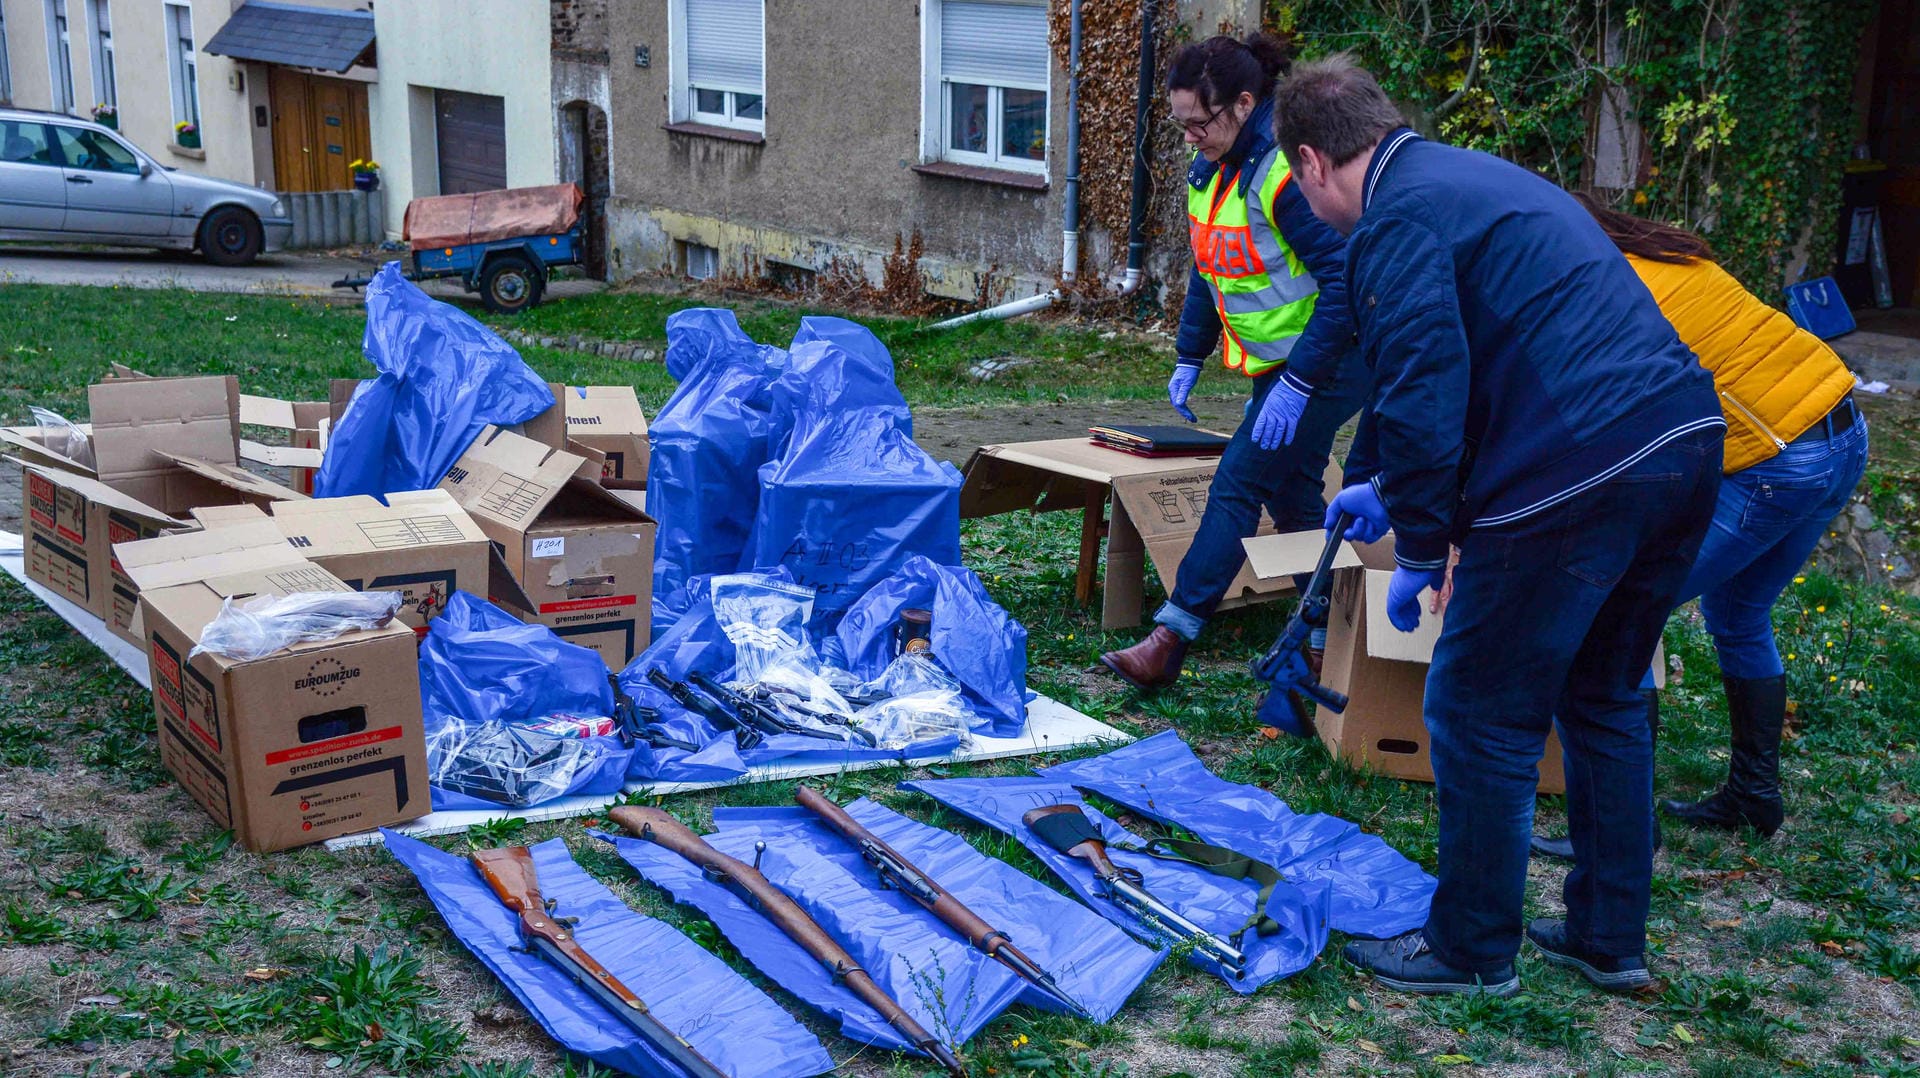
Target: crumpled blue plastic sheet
[[443, 378], [1373, 889], [851, 496], [974, 638], [707, 442], [1092, 961], [729, 1021], [948, 987], [1217, 904]]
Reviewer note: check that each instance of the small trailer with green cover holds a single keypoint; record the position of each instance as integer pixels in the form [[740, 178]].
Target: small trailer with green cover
[[501, 244]]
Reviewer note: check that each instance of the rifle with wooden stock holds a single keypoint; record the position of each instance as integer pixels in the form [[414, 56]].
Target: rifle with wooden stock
[[900, 874], [510, 872], [661, 829]]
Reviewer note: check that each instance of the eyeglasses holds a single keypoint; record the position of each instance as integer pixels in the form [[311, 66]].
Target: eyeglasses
[[1195, 128]]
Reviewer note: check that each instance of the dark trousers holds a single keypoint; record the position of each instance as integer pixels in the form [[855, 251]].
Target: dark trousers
[[1559, 614], [1288, 482]]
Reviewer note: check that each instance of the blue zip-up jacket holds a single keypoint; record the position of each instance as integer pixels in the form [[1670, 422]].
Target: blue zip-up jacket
[[1328, 337], [1517, 359]]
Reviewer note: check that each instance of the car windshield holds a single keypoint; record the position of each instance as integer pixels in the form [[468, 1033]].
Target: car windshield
[[94, 151]]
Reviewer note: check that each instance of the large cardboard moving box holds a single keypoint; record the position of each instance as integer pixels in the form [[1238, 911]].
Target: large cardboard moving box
[[316, 740], [582, 556], [609, 419]]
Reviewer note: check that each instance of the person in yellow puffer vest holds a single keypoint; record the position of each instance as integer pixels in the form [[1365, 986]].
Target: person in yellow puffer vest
[[1796, 447]]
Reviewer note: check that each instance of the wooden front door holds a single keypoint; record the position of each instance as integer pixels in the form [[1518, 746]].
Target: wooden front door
[[319, 127]]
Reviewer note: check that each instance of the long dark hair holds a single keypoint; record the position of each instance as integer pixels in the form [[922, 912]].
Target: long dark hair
[[1222, 68], [1651, 240]]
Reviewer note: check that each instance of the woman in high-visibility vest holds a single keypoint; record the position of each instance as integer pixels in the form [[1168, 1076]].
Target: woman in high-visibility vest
[[1268, 288]]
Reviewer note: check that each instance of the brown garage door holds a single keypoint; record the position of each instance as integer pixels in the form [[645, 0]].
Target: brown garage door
[[472, 139]]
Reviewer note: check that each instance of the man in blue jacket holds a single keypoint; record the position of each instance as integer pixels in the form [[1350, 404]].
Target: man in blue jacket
[[1532, 406]]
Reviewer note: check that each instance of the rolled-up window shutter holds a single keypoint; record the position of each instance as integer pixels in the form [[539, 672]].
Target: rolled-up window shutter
[[996, 44], [724, 45]]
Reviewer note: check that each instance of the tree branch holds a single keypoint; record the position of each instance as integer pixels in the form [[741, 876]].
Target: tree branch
[[1453, 101]]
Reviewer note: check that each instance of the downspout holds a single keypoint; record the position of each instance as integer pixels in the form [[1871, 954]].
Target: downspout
[[1142, 182]]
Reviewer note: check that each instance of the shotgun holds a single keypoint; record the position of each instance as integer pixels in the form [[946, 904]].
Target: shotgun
[[1067, 829], [1285, 667], [661, 829], [509, 870], [898, 873]]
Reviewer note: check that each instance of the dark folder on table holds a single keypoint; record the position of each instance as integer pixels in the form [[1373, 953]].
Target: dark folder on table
[[1160, 441]]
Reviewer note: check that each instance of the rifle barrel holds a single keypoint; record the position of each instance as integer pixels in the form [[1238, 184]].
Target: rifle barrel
[[1169, 921], [635, 1016]]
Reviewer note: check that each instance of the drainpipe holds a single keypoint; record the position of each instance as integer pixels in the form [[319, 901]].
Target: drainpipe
[[1142, 181]]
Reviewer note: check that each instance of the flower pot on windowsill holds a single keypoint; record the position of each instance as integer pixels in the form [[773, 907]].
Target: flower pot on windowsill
[[108, 121], [366, 181], [187, 140]]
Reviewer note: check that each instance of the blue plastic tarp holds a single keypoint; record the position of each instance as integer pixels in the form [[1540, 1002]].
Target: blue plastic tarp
[[850, 496], [948, 987], [708, 442], [1219, 905], [974, 638], [1096, 964], [729, 1021], [443, 378], [1373, 889]]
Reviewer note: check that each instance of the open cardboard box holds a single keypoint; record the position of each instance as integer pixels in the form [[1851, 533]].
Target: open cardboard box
[[305, 425], [582, 555], [315, 740]]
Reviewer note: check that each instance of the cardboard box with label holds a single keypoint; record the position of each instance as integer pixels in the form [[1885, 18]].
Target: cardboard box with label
[[162, 447], [582, 556], [420, 544], [319, 739], [1157, 503], [608, 419]]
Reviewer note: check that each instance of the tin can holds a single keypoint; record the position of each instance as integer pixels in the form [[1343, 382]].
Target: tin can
[[913, 631]]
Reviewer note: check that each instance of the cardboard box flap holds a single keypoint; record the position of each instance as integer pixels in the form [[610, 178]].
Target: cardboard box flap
[[226, 516], [604, 410], [27, 441], [96, 491], [502, 589], [235, 478], [1386, 642], [237, 546], [1056, 473], [324, 527], [1294, 552], [279, 456], [137, 422], [510, 480], [256, 411]]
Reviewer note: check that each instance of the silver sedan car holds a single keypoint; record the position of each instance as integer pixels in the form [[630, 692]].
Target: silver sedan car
[[66, 180]]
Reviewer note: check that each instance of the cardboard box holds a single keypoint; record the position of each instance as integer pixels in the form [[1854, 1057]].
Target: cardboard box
[[316, 740], [420, 544], [305, 425], [162, 447], [1156, 506], [609, 419], [582, 555]]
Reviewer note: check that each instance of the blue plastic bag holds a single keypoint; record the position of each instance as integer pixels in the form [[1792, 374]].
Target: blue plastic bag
[[1374, 890], [1092, 961], [443, 378], [726, 1019], [851, 497], [974, 639], [707, 443], [948, 987], [1219, 905]]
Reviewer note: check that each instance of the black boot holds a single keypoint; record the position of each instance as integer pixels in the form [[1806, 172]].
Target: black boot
[[1562, 848], [1757, 711]]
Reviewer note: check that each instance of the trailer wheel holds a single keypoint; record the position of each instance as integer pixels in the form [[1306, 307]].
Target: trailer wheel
[[510, 284]]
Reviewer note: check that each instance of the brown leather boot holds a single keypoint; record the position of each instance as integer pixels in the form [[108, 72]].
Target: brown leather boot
[[1153, 663]]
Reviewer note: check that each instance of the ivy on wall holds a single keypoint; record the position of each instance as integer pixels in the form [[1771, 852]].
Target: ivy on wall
[[1743, 107]]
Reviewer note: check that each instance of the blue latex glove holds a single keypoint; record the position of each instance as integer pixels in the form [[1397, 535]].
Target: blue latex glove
[[1403, 595], [1369, 512], [1180, 385], [1279, 416]]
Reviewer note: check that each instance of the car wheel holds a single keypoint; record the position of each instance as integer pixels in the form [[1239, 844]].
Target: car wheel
[[509, 285], [230, 236]]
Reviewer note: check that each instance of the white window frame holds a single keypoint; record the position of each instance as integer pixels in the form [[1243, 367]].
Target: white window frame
[[60, 56], [682, 99], [106, 90], [183, 70], [936, 107], [6, 69]]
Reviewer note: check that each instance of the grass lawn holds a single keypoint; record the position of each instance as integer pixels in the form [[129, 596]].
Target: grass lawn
[[134, 939]]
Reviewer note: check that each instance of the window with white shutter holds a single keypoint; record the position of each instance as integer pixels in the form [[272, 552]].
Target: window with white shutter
[[988, 69], [719, 62]]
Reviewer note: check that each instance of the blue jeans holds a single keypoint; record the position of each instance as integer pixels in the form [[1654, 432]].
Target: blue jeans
[[1767, 520], [1289, 482], [1559, 615]]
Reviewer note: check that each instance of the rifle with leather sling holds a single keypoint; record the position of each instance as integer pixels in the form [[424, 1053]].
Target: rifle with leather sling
[[898, 873], [1067, 829], [742, 879], [1285, 666], [510, 872]]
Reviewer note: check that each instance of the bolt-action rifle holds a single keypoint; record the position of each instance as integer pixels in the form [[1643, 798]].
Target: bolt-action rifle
[[744, 880], [1285, 666], [1067, 829], [900, 874], [511, 873]]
